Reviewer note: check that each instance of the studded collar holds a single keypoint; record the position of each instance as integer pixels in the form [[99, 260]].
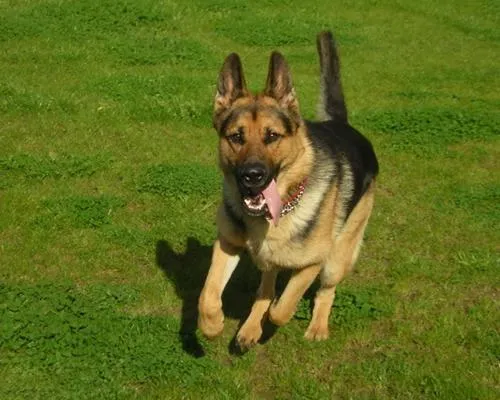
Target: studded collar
[[294, 199]]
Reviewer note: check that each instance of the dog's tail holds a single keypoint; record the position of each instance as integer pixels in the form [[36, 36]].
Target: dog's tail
[[332, 105]]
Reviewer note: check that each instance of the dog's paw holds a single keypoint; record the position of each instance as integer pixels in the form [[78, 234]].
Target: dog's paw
[[317, 331], [211, 323], [280, 315], [248, 335]]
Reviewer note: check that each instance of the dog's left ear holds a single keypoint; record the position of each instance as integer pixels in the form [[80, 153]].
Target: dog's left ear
[[279, 85]]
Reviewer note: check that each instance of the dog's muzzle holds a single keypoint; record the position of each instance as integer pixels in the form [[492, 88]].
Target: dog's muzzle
[[253, 177]]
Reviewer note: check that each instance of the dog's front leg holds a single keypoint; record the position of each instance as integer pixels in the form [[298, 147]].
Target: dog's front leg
[[282, 311], [251, 331], [225, 257]]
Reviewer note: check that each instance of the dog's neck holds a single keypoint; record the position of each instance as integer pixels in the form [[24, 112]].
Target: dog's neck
[[300, 167]]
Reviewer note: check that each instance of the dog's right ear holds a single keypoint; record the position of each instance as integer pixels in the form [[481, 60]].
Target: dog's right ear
[[231, 84]]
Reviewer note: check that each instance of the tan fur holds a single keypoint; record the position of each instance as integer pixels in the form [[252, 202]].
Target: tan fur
[[211, 317], [251, 331], [330, 248], [343, 255], [294, 154]]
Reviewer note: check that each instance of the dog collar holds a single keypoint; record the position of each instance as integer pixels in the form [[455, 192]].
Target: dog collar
[[294, 199]]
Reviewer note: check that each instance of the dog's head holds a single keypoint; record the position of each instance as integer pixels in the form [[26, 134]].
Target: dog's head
[[258, 133]]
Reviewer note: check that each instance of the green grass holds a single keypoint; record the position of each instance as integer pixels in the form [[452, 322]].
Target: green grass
[[109, 186]]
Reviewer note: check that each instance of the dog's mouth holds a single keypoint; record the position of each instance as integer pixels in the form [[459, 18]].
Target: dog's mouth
[[266, 203], [256, 205]]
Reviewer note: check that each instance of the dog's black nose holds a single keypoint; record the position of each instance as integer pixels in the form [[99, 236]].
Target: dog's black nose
[[253, 175]]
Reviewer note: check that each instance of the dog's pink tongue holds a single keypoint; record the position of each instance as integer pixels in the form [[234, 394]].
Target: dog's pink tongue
[[273, 201]]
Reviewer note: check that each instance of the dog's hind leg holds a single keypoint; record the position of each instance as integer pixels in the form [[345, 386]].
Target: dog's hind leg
[[318, 327], [282, 311], [344, 254], [225, 257], [251, 330]]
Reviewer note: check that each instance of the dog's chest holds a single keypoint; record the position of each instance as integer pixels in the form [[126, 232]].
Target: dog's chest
[[281, 251]]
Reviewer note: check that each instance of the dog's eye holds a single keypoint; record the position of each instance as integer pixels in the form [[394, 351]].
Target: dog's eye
[[236, 138], [271, 136]]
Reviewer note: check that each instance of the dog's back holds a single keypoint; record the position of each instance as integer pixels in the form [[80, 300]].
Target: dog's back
[[333, 133]]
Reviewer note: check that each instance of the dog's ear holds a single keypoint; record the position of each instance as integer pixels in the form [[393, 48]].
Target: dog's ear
[[279, 84], [231, 84]]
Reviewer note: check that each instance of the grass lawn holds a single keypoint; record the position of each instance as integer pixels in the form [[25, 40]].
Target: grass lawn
[[109, 186]]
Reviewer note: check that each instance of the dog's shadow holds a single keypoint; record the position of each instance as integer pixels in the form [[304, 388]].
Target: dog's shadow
[[187, 271]]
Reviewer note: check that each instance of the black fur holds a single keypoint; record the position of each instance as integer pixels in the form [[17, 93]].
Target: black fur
[[236, 220], [335, 135], [336, 175], [332, 95], [347, 145]]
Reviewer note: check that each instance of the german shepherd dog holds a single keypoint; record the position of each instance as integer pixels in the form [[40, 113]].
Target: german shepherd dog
[[296, 195]]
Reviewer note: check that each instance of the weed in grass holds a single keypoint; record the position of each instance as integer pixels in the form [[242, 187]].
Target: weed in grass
[[356, 307], [78, 211], [350, 308], [180, 181], [483, 201]]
